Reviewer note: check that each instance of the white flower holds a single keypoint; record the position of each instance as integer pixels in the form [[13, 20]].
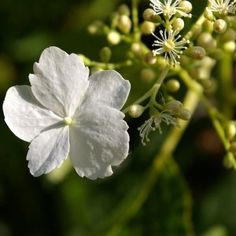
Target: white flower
[[66, 112], [168, 8], [170, 45], [222, 7]]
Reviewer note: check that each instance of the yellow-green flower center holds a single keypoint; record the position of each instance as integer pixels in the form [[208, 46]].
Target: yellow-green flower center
[[168, 11], [168, 45], [67, 120]]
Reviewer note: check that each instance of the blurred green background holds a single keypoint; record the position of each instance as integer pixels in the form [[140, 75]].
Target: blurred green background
[[198, 196]]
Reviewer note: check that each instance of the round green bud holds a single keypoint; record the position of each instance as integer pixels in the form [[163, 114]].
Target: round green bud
[[229, 46], [230, 130], [105, 54], [124, 23], [207, 26], [198, 52], [172, 85], [184, 114], [229, 35], [148, 14], [149, 58], [135, 110], [206, 41], [147, 74], [220, 26], [113, 38], [96, 27], [147, 27], [136, 49], [123, 10], [185, 6], [174, 107], [178, 24]]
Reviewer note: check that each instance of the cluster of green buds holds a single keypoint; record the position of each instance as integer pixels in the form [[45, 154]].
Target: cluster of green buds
[[230, 134]]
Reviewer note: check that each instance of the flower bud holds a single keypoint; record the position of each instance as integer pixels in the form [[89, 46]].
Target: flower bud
[[96, 27], [123, 10], [229, 35], [147, 74], [206, 41], [207, 26], [229, 46], [149, 58], [198, 52], [136, 49], [178, 25], [105, 54], [174, 107], [150, 15], [220, 26], [113, 38], [230, 130], [124, 23], [184, 114], [147, 27], [135, 110], [186, 6], [173, 85]]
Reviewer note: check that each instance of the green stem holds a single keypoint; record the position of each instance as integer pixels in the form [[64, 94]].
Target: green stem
[[226, 87], [135, 20], [109, 66], [214, 114], [195, 28]]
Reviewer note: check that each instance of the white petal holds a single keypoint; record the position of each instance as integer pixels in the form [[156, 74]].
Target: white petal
[[25, 117], [109, 88], [98, 141], [60, 81], [48, 150]]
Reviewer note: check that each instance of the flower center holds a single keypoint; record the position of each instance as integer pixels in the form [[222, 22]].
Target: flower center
[[168, 45], [168, 11], [67, 120]]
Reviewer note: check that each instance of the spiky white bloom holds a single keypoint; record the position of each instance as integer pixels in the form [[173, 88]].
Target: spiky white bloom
[[67, 113], [168, 8], [222, 7], [170, 45], [154, 123]]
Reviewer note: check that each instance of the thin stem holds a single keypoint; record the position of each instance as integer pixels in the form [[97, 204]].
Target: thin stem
[[214, 114], [195, 27], [109, 66], [226, 87], [135, 19]]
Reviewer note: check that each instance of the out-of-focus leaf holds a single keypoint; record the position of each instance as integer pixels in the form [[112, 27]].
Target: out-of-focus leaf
[[167, 211]]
